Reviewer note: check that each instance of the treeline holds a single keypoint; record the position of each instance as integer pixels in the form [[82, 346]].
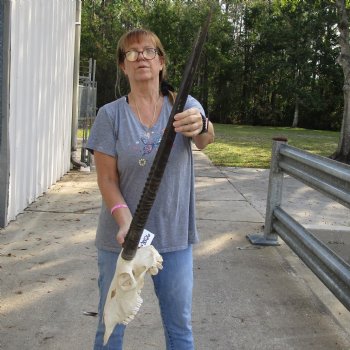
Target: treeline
[[266, 62]]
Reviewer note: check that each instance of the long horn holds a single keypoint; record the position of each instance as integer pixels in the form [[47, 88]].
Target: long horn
[[149, 193]]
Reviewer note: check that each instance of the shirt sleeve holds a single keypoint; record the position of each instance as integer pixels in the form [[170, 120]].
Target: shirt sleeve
[[192, 102], [103, 135]]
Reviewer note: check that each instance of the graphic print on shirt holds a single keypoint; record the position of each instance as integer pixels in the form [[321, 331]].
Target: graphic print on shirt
[[149, 143]]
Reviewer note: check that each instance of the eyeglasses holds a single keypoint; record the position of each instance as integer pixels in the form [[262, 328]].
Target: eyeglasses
[[148, 54]]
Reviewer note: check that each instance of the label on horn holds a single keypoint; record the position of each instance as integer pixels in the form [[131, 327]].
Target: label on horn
[[146, 238]]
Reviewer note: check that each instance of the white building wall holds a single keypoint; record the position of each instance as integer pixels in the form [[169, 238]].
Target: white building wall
[[41, 86]]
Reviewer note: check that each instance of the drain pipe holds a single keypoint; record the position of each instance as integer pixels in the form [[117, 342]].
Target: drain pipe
[[5, 58], [75, 105]]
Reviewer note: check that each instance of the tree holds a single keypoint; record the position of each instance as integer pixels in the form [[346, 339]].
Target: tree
[[264, 63], [343, 151]]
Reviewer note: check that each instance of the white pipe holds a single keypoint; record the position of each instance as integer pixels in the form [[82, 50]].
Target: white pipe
[[4, 115], [75, 102]]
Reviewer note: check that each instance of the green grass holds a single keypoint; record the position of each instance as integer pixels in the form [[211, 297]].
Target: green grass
[[250, 146], [80, 133]]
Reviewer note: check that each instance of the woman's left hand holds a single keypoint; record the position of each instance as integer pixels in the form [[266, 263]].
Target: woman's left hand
[[189, 122]]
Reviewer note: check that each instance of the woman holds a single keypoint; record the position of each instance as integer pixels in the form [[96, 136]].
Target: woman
[[125, 138]]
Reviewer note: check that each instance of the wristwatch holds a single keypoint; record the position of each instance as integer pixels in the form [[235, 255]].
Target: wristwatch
[[205, 122]]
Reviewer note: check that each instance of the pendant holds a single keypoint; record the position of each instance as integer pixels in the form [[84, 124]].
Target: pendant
[[142, 161]]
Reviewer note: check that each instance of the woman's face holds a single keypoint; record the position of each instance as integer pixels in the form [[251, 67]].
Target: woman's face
[[142, 69]]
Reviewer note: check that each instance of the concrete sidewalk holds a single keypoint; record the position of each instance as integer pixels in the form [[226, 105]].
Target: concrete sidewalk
[[245, 297]]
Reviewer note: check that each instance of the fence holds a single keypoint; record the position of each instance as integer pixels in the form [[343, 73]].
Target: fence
[[326, 176]]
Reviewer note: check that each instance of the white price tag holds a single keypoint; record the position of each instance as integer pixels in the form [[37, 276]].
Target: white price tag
[[146, 238]]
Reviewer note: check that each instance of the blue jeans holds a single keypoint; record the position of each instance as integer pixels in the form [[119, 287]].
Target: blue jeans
[[173, 286]]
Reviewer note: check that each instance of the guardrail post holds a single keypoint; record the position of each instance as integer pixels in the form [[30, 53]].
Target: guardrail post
[[274, 197]]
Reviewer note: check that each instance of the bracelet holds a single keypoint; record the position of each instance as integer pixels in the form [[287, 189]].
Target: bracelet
[[117, 206], [205, 122]]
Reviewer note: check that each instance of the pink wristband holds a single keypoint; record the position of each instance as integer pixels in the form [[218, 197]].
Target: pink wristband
[[117, 206]]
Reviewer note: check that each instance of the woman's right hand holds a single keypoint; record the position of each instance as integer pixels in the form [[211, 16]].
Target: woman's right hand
[[108, 182], [122, 233]]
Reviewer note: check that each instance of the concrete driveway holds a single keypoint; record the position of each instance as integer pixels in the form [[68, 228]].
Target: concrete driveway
[[245, 297]]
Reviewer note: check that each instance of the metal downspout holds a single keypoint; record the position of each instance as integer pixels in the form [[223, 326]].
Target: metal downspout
[[75, 103], [5, 7]]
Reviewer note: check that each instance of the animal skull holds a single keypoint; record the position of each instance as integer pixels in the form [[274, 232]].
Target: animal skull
[[123, 298]]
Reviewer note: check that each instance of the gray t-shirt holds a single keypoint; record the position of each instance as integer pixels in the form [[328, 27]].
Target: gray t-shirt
[[118, 133]]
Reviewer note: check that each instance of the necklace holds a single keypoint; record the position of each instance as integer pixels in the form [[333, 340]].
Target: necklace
[[154, 114], [143, 161]]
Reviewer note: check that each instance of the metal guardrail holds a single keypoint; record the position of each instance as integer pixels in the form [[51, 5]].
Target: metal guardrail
[[326, 176]]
